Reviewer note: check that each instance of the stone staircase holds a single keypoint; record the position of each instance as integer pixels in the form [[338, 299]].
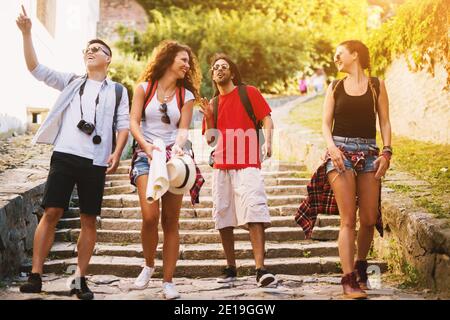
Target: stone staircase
[[119, 251]]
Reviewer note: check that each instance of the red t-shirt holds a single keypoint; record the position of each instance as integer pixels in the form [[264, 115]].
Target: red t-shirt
[[237, 145]]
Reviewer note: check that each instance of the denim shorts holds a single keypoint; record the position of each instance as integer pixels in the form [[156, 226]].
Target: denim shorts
[[355, 145], [141, 167]]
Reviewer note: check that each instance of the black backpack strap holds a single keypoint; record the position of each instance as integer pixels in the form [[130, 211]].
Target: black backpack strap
[[215, 101], [247, 104], [245, 100], [376, 84], [119, 93]]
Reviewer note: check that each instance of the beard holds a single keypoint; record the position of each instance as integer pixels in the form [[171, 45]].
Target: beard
[[223, 81]]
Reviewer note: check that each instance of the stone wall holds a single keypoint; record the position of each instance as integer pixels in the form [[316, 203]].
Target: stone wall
[[415, 242], [120, 12], [20, 195], [419, 107]]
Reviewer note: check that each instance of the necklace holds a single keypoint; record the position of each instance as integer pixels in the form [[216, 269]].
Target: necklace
[[166, 98]]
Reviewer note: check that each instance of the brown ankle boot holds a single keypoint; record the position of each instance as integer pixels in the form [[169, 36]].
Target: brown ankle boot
[[351, 287], [361, 273]]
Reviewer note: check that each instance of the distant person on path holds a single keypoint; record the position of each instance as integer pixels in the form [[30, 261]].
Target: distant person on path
[[238, 112], [354, 166], [302, 85], [82, 126], [319, 81]]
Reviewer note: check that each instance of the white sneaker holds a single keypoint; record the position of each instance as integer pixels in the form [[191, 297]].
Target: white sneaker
[[169, 291], [142, 280]]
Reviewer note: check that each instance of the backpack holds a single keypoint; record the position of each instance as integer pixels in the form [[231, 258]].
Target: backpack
[[119, 91], [243, 95]]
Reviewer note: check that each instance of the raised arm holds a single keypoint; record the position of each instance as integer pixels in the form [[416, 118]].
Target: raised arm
[[24, 24], [52, 78]]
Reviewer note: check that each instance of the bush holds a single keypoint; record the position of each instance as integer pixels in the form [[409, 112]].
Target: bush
[[418, 31], [126, 70]]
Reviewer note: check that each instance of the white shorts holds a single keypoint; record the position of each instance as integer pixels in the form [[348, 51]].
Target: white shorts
[[239, 198]]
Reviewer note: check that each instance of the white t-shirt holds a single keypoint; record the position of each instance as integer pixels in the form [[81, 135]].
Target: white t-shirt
[[153, 127], [71, 139]]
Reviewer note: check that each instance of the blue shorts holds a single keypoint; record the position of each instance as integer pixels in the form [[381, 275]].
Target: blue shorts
[[141, 167], [352, 145]]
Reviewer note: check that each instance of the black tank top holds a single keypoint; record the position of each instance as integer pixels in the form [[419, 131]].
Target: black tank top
[[354, 116]]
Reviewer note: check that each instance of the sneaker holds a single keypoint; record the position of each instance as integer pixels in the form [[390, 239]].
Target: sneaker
[[169, 291], [33, 285], [351, 288], [265, 279], [143, 279], [361, 274], [229, 274], [80, 288]]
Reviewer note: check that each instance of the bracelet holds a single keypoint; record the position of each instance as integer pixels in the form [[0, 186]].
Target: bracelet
[[387, 155], [387, 149]]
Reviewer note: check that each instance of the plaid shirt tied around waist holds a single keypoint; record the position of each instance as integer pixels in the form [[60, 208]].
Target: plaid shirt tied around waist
[[320, 198], [199, 180]]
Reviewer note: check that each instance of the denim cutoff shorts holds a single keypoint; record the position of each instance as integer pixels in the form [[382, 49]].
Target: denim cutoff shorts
[[356, 145]]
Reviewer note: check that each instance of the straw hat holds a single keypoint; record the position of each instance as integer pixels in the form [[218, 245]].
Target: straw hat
[[181, 172]]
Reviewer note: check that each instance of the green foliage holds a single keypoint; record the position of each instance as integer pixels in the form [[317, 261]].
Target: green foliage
[[429, 162], [418, 31], [271, 41], [126, 69], [308, 114], [406, 274]]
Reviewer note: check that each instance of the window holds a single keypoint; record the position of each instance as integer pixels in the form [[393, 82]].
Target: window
[[46, 13]]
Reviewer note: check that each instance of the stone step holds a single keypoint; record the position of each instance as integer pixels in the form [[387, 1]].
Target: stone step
[[127, 201], [135, 212], [204, 236], [243, 250], [206, 191], [268, 182], [207, 175], [119, 189], [124, 166], [185, 223], [130, 267]]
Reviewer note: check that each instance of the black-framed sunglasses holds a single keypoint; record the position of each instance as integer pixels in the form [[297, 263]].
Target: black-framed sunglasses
[[165, 117], [95, 50], [216, 67]]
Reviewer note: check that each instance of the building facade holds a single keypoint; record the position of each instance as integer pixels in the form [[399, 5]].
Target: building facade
[[60, 31]]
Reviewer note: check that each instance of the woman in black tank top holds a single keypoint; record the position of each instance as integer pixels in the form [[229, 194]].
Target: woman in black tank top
[[355, 168]]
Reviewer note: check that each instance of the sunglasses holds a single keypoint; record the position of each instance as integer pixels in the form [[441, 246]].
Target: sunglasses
[[216, 67], [95, 50], [165, 117]]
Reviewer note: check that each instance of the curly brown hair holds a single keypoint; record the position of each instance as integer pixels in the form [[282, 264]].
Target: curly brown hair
[[163, 57]]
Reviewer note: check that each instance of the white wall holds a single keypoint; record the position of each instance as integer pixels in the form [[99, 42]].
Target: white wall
[[76, 23]]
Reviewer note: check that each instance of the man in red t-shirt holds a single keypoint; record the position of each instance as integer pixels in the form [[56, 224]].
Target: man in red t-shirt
[[239, 198]]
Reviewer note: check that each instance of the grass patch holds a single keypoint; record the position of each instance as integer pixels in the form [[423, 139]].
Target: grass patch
[[301, 174], [308, 114], [404, 274], [429, 162]]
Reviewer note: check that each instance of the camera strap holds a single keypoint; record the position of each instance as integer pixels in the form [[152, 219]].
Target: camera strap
[[96, 103]]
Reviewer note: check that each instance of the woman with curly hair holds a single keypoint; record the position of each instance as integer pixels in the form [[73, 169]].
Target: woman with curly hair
[[162, 108]]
